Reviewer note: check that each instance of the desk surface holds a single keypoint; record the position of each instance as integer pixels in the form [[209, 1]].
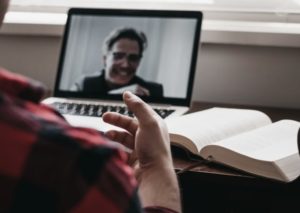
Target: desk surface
[[231, 190]]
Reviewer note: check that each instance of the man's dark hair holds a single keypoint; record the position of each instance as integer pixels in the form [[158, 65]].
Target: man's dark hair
[[125, 32]]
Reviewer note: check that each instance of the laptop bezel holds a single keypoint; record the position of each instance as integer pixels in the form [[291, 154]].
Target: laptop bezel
[[197, 15]]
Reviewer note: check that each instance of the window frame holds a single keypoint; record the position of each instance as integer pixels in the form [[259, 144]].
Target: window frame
[[264, 28]]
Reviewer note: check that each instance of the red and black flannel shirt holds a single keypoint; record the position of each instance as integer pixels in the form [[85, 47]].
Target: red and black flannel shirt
[[48, 166]]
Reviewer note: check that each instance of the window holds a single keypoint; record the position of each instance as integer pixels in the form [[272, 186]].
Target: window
[[265, 22], [215, 9]]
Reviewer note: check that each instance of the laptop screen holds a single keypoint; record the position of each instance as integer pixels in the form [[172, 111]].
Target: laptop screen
[[151, 53]]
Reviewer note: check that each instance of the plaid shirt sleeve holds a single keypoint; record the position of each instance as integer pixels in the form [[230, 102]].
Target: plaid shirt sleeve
[[48, 166]]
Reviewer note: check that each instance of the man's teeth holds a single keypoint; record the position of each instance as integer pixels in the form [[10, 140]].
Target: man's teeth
[[124, 73]]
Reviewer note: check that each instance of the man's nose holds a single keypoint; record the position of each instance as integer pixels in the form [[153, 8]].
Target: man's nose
[[125, 62]]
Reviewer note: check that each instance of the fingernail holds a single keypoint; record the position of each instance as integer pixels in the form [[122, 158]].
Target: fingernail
[[127, 94]]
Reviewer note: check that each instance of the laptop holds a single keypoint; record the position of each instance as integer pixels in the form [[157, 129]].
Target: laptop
[[164, 73]]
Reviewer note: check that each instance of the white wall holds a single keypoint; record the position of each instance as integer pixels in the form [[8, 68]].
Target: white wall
[[34, 56], [256, 75]]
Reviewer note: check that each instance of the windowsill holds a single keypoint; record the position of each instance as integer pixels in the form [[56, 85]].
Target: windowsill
[[214, 31], [35, 24]]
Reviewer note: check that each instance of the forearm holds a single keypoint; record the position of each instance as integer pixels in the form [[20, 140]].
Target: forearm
[[159, 187]]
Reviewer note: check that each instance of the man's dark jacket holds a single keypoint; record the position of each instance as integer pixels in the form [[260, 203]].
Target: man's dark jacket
[[96, 84]]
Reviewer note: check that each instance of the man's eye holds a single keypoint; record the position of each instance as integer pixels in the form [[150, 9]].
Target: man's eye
[[134, 58], [119, 55], [130, 57]]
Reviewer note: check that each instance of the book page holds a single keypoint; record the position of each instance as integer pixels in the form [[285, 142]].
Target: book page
[[268, 143], [270, 151], [215, 124]]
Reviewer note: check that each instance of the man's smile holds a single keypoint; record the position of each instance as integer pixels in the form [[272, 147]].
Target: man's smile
[[123, 72]]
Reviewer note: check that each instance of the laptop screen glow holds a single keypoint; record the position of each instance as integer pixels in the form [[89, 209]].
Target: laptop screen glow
[[168, 60]]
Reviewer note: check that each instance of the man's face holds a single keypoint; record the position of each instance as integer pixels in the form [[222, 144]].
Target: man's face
[[3, 8], [122, 61]]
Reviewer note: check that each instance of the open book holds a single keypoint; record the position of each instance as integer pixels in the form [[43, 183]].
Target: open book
[[240, 138]]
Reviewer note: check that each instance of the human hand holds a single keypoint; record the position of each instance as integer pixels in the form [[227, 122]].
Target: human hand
[[148, 137], [146, 134]]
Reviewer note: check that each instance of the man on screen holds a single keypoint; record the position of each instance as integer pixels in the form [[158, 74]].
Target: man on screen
[[122, 52]]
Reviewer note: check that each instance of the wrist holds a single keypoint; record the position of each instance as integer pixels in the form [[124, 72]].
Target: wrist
[[159, 186], [154, 168]]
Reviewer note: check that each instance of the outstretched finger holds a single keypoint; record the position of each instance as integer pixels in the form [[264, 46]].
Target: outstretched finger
[[121, 121], [121, 137], [140, 109]]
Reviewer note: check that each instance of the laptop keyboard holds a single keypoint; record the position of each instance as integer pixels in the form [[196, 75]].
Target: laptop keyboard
[[97, 110]]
